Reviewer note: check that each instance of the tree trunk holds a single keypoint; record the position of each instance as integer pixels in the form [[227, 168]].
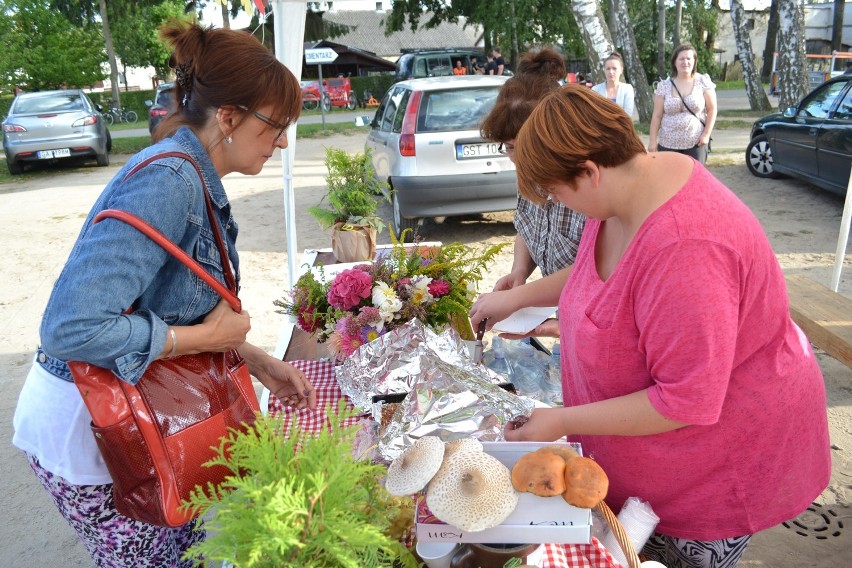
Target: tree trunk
[[632, 63], [113, 66], [678, 18], [662, 68], [513, 56], [754, 89], [792, 64], [771, 39], [837, 26], [596, 36], [226, 16]]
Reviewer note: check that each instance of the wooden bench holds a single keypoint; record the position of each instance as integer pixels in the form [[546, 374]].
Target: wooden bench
[[824, 315]]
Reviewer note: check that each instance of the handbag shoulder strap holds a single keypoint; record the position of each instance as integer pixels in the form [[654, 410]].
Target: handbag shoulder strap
[[211, 214], [671, 80]]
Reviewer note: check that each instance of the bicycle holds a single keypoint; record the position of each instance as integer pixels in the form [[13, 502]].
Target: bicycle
[[116, 114]]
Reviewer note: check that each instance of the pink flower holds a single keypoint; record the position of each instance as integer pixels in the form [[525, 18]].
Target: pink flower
[[439, 288], [349, 288]]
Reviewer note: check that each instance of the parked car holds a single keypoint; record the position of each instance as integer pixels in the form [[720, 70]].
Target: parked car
[[162, 106], [425, 142], [434, 62], [49, 126], [811, 141]]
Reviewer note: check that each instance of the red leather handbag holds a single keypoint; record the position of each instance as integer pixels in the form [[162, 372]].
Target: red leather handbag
[[156, 435]]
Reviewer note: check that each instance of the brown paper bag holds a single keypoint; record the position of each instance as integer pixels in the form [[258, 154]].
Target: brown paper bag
[[356, 243]]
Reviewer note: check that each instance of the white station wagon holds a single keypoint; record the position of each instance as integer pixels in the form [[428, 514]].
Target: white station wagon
[[425, 142]]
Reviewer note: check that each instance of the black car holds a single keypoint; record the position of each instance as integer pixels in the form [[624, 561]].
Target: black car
[[162, 105], [811, 141]]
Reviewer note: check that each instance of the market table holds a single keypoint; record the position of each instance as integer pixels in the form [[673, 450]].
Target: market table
[[322, 377]]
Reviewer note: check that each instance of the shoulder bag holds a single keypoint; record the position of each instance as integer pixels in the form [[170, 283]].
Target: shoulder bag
[[156, 435], [686, 106]]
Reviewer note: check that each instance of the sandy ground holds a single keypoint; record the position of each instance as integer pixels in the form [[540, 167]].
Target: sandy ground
[[39, 220]]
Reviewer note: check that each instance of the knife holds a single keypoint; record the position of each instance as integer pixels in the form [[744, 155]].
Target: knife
[[477, 345]]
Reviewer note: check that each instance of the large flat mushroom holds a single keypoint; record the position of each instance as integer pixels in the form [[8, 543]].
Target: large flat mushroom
[[415, 467], [472, 491]]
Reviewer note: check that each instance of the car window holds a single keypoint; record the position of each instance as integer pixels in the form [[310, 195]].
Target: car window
[[166, 98], [456, 109], [391, 104], [52, 103], [403, 104], [439, 66], [819, 103], [844, 109]]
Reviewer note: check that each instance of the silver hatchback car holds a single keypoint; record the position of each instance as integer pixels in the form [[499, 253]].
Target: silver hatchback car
[[425, 142], [49, 126]]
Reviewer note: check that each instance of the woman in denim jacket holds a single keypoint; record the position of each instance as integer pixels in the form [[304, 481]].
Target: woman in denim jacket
[[235, 101]]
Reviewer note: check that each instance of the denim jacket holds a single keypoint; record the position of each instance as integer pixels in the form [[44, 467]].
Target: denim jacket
[[113, 267]]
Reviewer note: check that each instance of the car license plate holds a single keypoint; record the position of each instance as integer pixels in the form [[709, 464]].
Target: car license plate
[[477, 150], [59, 153]]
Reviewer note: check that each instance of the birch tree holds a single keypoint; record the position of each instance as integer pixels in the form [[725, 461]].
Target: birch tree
[[754, 89], [595, 34], [792, 63], [632, 62]]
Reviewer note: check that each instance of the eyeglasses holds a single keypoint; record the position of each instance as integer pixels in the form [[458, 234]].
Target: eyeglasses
[[263, 118], [272, 123], [506, 149]]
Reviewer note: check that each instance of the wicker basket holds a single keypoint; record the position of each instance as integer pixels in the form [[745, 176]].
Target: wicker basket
[[620, 535]]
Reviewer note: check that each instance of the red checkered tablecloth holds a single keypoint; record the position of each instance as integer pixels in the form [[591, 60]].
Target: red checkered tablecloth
[[321, 375]]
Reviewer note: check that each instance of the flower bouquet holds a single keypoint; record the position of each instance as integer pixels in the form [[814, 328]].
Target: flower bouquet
[[436, 285]]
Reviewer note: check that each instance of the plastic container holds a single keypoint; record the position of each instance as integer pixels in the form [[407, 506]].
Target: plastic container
[[495, 359], [528, 371], [551, 383]]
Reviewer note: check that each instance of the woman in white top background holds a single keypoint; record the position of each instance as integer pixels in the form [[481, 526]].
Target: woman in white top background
[[613, 88]]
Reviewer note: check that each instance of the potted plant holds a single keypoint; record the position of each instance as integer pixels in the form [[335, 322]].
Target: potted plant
[[351, 205], [301, 500]]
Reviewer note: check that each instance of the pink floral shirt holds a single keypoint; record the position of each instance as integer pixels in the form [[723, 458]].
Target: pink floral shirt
[[679, 129]]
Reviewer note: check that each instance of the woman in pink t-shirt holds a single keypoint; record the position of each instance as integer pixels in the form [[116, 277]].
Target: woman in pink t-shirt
[[683, 374]]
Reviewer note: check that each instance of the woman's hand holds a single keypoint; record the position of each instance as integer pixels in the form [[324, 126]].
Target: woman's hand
[[544, 425], [704, 140], [288, 383], [282, 379], [509, 281], [493, 306], [225, 329]]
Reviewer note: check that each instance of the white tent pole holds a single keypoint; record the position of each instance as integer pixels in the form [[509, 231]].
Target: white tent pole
[[289, 29], [843, 237]]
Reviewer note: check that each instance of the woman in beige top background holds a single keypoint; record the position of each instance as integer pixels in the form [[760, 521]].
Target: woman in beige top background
[[684, 108]]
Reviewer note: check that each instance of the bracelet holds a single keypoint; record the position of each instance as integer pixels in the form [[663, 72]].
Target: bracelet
[[174, 343]]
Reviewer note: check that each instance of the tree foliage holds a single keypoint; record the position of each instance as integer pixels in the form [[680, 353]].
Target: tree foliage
[[44, 50], [139, 45]]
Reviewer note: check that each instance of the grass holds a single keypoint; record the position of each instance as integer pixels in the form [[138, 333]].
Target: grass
[[134, 144]]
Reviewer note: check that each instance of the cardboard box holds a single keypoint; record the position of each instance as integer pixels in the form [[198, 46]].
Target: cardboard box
[[534, 520]]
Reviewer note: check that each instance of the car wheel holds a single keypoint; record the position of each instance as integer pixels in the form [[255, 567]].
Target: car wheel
[[400, 223], [109, 142], [103, 161], [759, 157], [352, 102], [14, 167]]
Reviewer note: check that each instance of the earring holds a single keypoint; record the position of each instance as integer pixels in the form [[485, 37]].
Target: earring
[[229, 139]]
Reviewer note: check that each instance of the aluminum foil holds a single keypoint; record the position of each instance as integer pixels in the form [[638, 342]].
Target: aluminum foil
[[392, 363], [450, 402]]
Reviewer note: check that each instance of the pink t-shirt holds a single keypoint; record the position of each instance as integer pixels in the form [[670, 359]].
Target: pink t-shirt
[[696, 312]]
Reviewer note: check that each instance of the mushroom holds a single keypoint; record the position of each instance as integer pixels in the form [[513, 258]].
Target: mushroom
[[412, 470], [462, 445], [586, 483], [566, 452], [541, 473], [472, 491]]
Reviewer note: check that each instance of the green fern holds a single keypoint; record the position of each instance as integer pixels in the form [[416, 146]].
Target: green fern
[[351, 189], [300, 500]]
